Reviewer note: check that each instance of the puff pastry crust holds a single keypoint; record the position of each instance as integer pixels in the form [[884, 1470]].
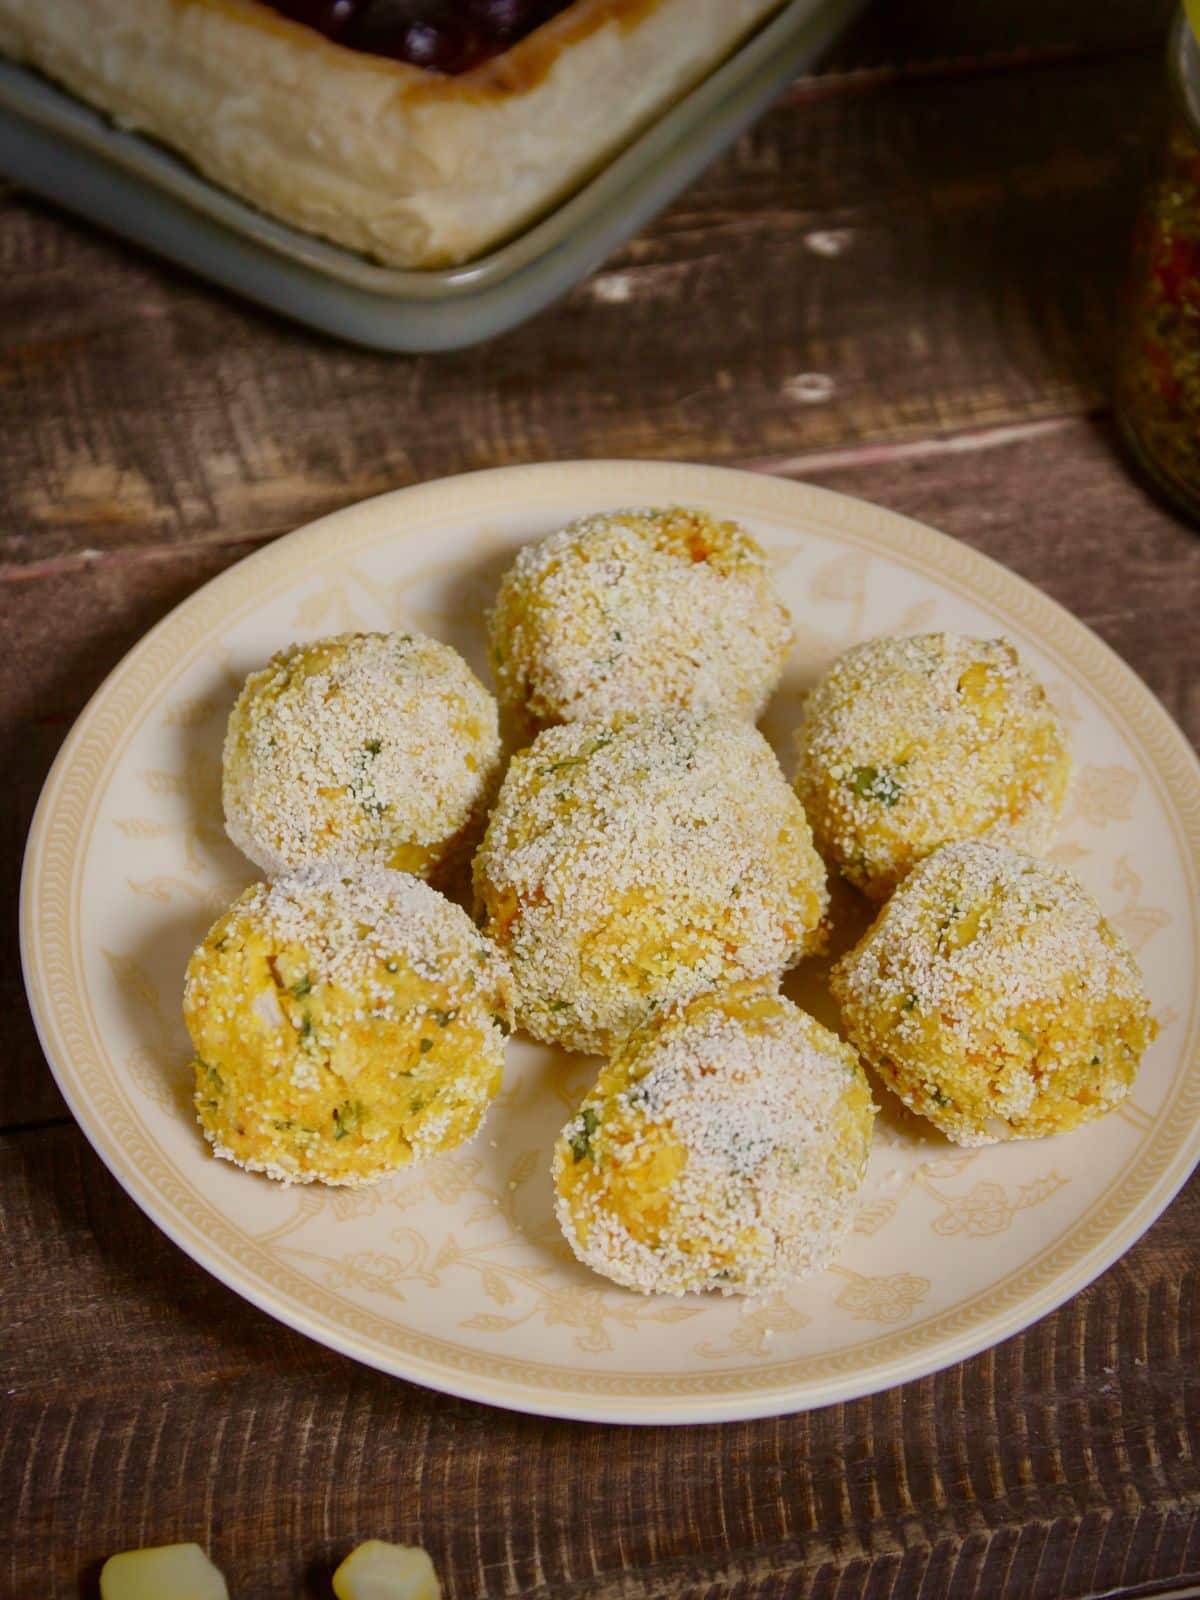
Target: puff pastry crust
[[410, 167]]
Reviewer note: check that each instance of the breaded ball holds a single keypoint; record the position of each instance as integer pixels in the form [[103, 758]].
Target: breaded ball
[[628, 866], [908, 744], [994, 998], [344, 1025], [374, 748], [722, 1148], [633, 610]]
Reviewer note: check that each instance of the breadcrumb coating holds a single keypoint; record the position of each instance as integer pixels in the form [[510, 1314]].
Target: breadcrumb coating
[[381, 749], [993, 997], [344, 1025], [907, 744], [628, 866], [721, 1149], [633, 610]]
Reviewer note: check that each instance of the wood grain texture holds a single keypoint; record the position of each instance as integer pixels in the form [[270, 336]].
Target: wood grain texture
[[929, 35], [920, 256], [1061, 1463]]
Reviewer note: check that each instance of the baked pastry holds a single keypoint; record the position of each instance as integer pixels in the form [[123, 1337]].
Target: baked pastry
[[344, 1026], [993, 998], [907, 744], [367, 748], [634, 610], [414, 167], [631, 865], [722, 1148]]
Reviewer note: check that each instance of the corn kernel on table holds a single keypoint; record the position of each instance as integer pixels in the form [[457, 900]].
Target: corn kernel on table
[[901, 284]]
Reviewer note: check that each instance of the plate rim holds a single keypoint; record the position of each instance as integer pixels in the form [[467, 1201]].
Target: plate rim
[[594, 479]]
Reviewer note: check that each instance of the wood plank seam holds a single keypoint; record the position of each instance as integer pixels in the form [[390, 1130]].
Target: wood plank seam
[[860, 80], [803, 464]]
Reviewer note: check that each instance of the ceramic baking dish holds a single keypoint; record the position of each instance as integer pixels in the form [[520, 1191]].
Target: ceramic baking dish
[[53, 144]]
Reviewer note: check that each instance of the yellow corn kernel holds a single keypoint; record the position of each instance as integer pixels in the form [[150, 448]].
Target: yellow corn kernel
[[377, 1570], [181, 1571], [961, 933], [983, 688]]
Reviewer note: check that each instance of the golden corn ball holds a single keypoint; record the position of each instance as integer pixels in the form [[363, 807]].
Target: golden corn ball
[[722, 1148], [994, 998], [633, 610], [344, 1025], [908, 744], [374, 748], [629, 866]]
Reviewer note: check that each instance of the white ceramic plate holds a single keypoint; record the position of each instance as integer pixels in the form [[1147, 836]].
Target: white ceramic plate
[[453, 1274]]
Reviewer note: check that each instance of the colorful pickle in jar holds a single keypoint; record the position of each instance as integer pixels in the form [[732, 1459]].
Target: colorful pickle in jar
[[1158, 380]]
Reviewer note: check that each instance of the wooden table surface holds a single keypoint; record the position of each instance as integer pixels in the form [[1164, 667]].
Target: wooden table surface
[[901, 284]]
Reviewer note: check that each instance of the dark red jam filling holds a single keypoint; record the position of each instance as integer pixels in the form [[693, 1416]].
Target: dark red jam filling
[[440, 35]]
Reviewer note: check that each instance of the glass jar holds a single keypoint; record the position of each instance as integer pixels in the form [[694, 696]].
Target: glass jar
[[1158, 370]]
